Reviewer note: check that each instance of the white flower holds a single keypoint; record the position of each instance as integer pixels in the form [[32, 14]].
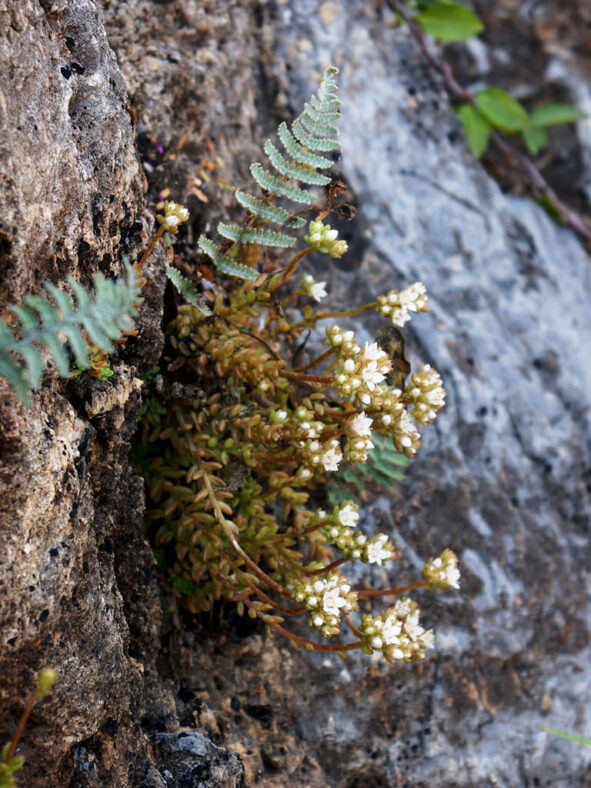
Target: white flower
[[360, 424], [391, 630], [371, 375], [331, 459], [332, 601], [442, 572], [348, 516], [372, 352], [316, 290], [375, 550], [171, 221]]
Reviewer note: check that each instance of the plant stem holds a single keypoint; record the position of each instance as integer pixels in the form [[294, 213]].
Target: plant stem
[[150, 248], [286, 611], [352, 626], [316, 646], [310, 322], [291, 266], [327, 568], [21, 726], [327, 354], [306, 378], [362, 594]]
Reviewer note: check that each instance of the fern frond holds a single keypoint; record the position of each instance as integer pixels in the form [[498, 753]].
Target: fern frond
[[250, 235], [186, 289], [312, 142], [332, 105], [328, 88], [270, 183], [296, 171], [313, 130], [299, 153], [105, 317], [322, 116], [317, 128], [223, 263], [272, 213]]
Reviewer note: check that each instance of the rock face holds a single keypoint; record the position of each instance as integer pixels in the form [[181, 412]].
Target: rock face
[[502, 479]]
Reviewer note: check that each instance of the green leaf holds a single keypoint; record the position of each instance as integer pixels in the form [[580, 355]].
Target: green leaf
[[555, 114], [502, 110], [535, 138], [477, 128], [568, 736], [450, 22]]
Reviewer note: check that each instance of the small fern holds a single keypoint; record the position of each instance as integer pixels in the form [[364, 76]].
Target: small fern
[[186, 289], [106, 317], [313, 130]]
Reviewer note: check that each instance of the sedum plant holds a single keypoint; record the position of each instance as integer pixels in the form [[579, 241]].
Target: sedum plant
[[237, 451]]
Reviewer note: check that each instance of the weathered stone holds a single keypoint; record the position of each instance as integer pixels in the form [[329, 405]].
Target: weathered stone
[[502, 478]]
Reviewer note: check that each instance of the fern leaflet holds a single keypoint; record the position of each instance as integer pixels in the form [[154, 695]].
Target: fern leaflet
[[186, 289], [106, 317]]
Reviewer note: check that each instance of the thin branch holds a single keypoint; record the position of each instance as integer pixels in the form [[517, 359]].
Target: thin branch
[[316, 646], [362, 594]]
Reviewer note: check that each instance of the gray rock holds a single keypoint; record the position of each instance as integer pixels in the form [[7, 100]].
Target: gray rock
[[502, 478], [194, 760]]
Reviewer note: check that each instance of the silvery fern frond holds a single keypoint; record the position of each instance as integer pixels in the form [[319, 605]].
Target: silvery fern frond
[[102, 318], [313, 130]]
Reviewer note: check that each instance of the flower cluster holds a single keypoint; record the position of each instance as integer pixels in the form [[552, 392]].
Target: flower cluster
[[174, 216], [342, 342], [325, 455], [407, 438], [442, 572], [397, 304], [325, 240], [358, 430], [426, 394], [340, 531], [357, 376], [326, 599], [396, 633], [312, 288]]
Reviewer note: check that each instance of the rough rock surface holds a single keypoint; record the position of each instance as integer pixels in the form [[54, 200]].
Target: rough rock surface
[[502, 479], [77, 585]]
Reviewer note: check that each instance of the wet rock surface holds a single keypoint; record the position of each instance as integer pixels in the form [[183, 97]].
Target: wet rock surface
[[502, 478]]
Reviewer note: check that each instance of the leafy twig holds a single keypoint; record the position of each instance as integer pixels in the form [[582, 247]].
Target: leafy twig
[[531, 175]]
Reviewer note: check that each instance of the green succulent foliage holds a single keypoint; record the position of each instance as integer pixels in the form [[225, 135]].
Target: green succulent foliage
[[105, 317], [187, 290], [313, 130], [8, 767], [383, 466]]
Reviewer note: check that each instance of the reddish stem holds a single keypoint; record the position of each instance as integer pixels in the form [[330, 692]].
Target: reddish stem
[[316, 361], [316, 646], [389, 591], [327, 568]]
